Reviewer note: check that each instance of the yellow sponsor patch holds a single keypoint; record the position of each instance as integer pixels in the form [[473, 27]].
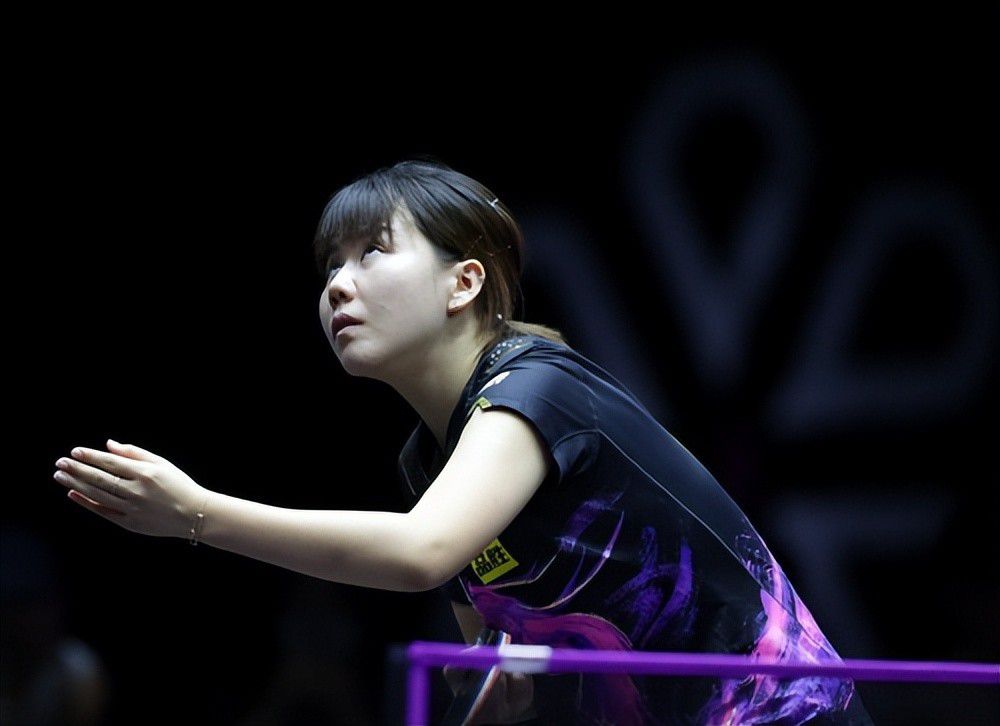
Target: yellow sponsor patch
[[493, 562], [483, 402]]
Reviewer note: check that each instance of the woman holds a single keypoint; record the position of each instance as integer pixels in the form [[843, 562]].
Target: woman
[[547, 502]]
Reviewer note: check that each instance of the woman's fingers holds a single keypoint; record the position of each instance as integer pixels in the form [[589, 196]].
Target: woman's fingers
[[97, 507], [132, 451], [106, 495], [96, 478], [121, 466]]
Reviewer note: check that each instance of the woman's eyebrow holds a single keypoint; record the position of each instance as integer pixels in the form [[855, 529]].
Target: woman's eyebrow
[[338, 249]]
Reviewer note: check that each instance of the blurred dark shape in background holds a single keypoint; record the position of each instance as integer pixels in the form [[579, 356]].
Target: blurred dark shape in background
[[316, 680], [48, 677]]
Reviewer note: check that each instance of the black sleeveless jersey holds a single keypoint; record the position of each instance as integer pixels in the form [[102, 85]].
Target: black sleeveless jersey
[[629, 544]]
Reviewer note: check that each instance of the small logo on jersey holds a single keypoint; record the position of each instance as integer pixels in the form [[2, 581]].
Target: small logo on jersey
[[493, 562], [482, 402], [495, 380]]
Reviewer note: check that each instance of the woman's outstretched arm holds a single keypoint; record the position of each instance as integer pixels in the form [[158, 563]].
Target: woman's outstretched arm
[[366, 548], [145, 493], [499, 462]]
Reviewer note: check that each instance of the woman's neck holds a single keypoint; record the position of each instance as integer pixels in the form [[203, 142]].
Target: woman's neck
[[434, 388]]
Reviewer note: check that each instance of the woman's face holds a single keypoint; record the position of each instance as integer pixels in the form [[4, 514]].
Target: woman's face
[[400, 294]]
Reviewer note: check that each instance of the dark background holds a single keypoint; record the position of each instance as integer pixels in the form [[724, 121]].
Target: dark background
[[780, 232]]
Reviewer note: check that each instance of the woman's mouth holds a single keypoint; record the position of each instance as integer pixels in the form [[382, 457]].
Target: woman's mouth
[[341, 321]]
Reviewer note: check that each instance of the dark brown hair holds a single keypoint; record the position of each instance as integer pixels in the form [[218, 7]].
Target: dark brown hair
[[460, 218]]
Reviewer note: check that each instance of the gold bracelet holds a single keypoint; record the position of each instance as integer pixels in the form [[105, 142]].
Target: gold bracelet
[[198, 522]]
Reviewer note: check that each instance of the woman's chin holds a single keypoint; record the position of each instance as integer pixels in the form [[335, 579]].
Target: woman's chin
[[356, 365]]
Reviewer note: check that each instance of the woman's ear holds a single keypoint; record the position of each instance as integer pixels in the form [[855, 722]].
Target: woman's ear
[[469, 276], [460, 301]]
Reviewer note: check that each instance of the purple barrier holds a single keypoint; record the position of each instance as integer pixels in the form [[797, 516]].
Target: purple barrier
[[422, 655]]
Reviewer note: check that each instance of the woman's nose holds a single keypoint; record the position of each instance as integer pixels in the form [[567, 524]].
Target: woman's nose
[[335, 288]]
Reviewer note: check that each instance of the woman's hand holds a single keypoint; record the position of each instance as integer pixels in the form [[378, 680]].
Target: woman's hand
[[507, 702], [134, 488]]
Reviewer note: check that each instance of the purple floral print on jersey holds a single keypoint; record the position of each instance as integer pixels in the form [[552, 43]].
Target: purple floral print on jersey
[[787, 631]]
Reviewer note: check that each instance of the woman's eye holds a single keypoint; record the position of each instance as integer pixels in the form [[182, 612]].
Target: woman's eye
[[333, 270]]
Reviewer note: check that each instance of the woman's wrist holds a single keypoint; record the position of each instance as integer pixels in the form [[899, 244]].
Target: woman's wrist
[[197, 519]]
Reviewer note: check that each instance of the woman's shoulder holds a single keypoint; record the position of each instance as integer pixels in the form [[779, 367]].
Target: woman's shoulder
[[544, 361], [532, 346], [584, 368]]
